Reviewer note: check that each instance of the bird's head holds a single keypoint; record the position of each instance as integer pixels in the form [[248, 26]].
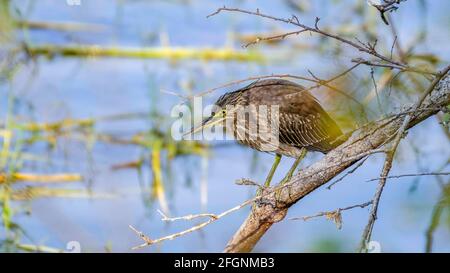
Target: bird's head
[[221, 110]]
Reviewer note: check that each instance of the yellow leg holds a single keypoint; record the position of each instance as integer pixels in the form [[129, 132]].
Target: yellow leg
[[269, 176], [289, 175], [294, 167], [271, 173], [272, 170]]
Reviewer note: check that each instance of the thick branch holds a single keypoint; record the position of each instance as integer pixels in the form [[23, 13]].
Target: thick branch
[[356, 147]]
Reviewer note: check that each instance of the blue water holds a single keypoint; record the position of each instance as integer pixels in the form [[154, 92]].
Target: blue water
[[96, 87]]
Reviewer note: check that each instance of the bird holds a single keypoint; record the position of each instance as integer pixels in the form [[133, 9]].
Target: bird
[[301, 123]]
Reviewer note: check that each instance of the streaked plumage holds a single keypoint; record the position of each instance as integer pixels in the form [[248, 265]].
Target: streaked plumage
[[303, 123]]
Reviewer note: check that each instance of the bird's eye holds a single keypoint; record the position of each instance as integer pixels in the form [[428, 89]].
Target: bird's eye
[[213, 113], [223, 112]]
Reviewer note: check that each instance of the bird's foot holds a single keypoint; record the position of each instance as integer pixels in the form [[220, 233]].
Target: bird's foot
[[286, 179], [280, 185], [260, 199], [289, 175]]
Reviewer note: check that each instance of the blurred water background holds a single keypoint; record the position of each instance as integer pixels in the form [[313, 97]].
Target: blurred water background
[[108, 120]]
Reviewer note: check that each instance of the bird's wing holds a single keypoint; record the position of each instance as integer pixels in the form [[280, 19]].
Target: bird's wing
[[304, 123]]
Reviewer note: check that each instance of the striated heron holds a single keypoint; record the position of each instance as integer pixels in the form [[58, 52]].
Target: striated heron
[[301, 123]]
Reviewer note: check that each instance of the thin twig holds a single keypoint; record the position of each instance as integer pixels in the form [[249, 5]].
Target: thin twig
[[335, 215], [360, 163], [376, 90], [186, 217], [393, 66], [273, 37], [409, 175], [393, 45], [148, 241]]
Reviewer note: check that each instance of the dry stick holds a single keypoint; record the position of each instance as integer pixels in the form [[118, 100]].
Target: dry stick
[[294, 21], [305, 218], [348, 173], [274, 37], [388, 162], [397, 43], [376, 91], [186, 217], [325, 83], [325, 213], [393, 45], [148, 241], [409, 175], [392, 66]]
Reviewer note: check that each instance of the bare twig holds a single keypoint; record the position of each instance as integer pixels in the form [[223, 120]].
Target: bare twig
[[376, 90], [360, 163], [410, 175], [189, 217], [248, 182], [273, 37], [141, 235], [213, 217], [393, 66], [184, 97], [334, 215], [393, 45]]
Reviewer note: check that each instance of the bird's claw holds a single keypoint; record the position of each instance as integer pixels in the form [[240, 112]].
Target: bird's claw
[[261, 201]]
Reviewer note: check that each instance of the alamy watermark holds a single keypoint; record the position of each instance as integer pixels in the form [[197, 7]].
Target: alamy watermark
[[73, 2], [73, 247], [373, 247]]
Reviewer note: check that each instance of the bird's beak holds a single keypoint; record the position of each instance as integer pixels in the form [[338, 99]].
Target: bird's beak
[[206, 123]]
